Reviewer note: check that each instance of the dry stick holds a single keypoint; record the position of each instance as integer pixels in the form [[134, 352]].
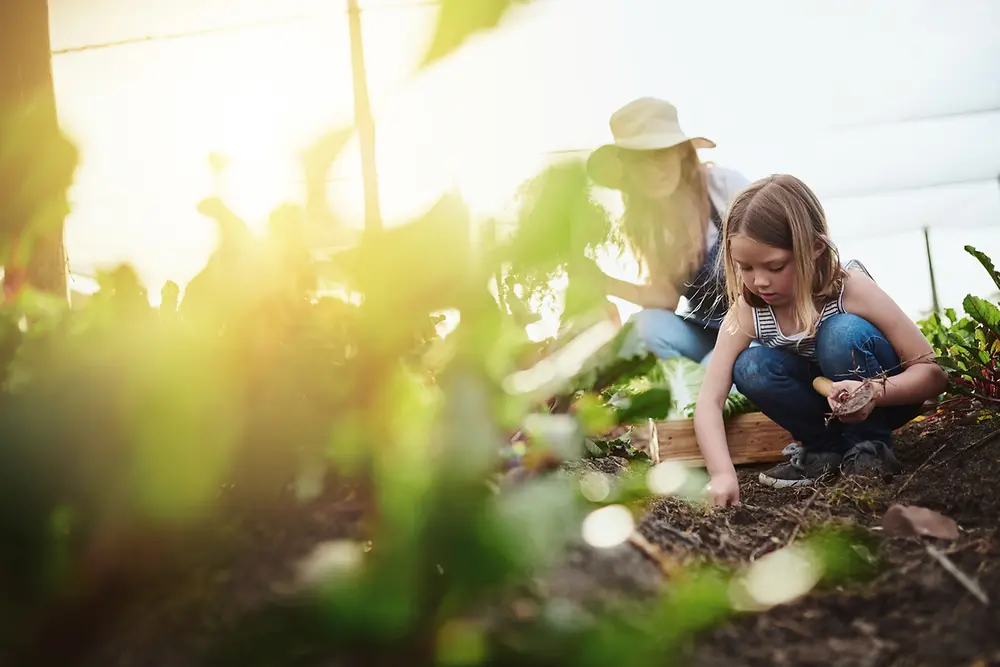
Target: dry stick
[[802, 516], [665, 564], [919, 468], [978, 443], [960, 576]]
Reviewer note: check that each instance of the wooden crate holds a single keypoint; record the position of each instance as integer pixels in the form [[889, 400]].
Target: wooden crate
[[752, 438]]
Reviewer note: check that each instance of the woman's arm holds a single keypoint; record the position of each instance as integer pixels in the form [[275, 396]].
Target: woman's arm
[[646, 296], [921, 377], [709, 428]]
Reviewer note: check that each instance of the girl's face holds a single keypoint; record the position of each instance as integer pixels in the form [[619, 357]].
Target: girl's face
[[656, 174], [767, 271]]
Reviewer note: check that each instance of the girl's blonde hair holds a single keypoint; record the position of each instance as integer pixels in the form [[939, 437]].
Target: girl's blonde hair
[[666, 231], [782, 212]]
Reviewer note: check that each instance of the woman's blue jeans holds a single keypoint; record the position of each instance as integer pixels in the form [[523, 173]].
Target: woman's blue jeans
[[779, 383], [668, 334]]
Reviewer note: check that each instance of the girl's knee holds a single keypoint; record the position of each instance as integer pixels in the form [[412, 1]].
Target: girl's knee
[[846, 328], [847, 344], [756, 368]]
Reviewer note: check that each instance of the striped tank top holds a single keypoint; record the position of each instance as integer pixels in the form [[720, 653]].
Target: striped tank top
[[769, 334]]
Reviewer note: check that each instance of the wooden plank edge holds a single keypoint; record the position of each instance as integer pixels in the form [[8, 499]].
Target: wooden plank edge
[[753, 438]]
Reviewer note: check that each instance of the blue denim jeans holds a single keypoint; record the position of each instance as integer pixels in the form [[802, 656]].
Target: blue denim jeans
[[668, 334], [779, 383]]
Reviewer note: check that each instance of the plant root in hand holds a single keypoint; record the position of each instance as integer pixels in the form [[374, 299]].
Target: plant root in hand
[[848, 402]]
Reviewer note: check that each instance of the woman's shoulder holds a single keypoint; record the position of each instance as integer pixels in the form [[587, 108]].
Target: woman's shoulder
[[724, 182]]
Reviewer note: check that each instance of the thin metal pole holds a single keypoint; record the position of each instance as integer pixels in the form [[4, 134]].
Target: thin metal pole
[[364, 121], [930, 271]]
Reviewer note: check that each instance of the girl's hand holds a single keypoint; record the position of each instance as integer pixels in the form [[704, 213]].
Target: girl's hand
[[847, 388], [724, 489]]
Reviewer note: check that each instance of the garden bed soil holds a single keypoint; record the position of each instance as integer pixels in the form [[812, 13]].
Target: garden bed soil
[[910, 611]]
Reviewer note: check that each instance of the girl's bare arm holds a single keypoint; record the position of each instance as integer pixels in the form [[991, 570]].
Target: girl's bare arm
[[734, 337], [921, 378]]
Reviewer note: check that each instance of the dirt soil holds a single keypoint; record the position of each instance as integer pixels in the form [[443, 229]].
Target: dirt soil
[[913, 612], [910, 611]]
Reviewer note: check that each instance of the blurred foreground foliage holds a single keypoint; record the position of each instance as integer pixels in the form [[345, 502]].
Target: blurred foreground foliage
[[121, 421], [128, 430]]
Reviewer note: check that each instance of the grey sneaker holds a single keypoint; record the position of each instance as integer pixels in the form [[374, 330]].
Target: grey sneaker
[[871, 458], [803, 468]]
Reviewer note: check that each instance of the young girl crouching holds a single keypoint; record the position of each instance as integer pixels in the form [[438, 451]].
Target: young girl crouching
[[808, 316]]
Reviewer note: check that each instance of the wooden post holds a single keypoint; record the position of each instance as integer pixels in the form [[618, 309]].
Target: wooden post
[[930, 269], [364, 121], [26, 77]]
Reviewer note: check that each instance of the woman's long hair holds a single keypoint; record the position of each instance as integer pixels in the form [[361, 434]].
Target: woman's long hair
[[666, 217]]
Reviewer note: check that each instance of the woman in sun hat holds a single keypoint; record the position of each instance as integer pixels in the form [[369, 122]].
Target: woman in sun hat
[[674, 205]]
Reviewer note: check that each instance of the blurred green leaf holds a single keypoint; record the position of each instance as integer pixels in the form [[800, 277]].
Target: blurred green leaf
[[656, 403], [595, 417], [183, 424], [407, 272], [461, 643], [558, 222], [683, 377], [562, 368], [325, 230], [457, 20], [618, 362], [539, 535]]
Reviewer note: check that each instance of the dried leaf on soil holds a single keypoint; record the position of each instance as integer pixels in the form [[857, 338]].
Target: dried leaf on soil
[[913, 521]]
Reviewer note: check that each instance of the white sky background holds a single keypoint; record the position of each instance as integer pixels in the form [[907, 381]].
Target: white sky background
[[814, 89]]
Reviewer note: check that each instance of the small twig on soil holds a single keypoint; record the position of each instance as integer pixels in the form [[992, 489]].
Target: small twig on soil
[[960, 576], [792, 627], [919, 468], [978, 443], [802, 516], [666, 565], [756, 552], [691, 538]]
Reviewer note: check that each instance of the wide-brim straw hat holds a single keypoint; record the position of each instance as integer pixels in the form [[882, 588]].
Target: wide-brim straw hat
[[645, 124]]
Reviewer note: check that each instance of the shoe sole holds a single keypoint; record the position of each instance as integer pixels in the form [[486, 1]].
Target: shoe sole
[[776, 483]]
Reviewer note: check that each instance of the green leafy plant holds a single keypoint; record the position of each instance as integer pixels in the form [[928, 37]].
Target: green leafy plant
[[968, 346]]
